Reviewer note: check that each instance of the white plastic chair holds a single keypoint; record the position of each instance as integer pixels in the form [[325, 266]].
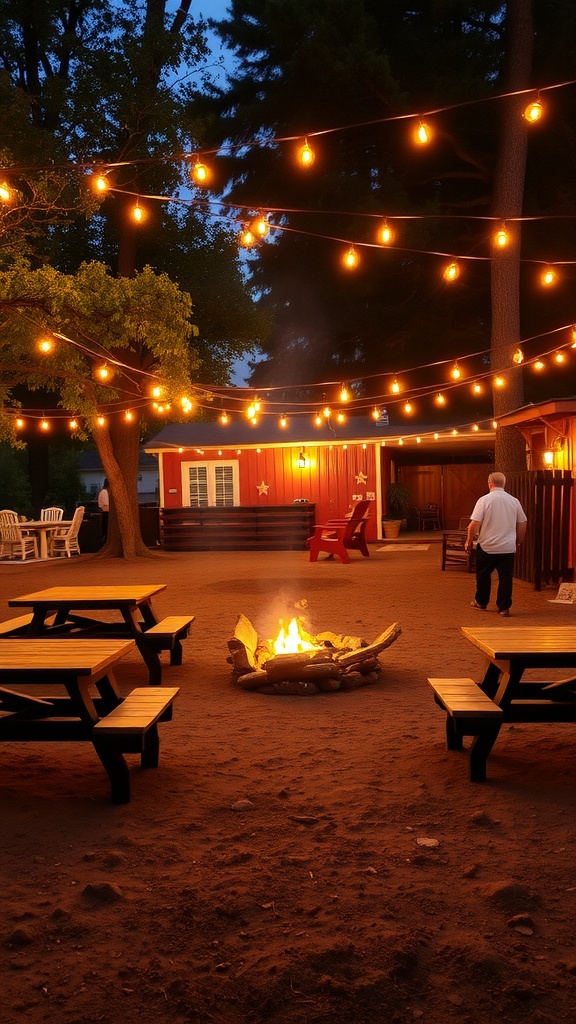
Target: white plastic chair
[[51, 514], [15, 542], [65, 541]]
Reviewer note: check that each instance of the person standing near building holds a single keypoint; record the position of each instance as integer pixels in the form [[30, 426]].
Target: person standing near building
[[104, 506], [499, 523]]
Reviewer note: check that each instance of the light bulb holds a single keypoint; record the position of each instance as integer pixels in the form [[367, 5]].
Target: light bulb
[[283, 421], [451, 272], [200, 173], [440, 399], [375, 413], [350, 259], [408, 407], [533, 112], [455, 372], [340, 418], [385, 234], [138, 214], [395, 387], [5, 193], [538, 365], [100, 183], [261, 226], [345, 394], [548, 276], [46, 345], [224, 418], [518, 357], [306, 156], [560, 357], [247, 237], [477, 388], [502, 237], [422, 134], [499, 382]]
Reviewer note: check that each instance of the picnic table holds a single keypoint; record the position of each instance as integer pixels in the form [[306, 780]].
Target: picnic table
[[505, 693], [42, 527], [136, 619], [113, 724]]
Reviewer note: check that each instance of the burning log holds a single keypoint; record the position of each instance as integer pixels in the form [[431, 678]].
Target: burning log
[[333, 662]]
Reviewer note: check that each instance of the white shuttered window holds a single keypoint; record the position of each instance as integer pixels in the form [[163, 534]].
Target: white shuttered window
[[210, 483]]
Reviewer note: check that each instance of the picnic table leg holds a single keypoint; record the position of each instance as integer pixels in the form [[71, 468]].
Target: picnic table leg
[[150, 656], [118, 773], [480, 749]]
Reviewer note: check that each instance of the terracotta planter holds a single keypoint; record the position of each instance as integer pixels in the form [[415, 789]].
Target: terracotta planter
[[391, 527]]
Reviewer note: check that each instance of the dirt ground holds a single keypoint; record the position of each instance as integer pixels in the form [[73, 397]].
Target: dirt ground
[[273, 867]]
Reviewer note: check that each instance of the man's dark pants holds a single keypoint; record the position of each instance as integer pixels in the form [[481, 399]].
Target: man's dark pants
[[485, 566]]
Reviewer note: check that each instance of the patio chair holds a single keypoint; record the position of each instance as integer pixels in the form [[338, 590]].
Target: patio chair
[[429, 516], [51, 514], [14, 541], [65, 541], [338, 536]]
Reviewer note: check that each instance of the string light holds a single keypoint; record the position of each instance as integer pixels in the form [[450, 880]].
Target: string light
[[560, 357], [518, 356], [422, 134], [408, 407], [350, 259], [100, 183], [200, 173], [138, 213], [477, 388], [340, 418], [306, 155], [502, 237], [345, 394], [455, 372], [20, 422], [128, 415], [261, 227], [326, 412], [534, 111], [283, 421], [395, 386], [573, 335], [100, 420], [224, 418], [548, 277], [318, 420], [538, 365], [103, 372], [46, 345], [247, 237], [451, 272], [499, 382], [44, 425], [385, 235], [440, 399], [5, 193]]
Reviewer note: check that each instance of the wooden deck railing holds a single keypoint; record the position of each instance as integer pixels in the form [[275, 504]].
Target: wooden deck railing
[[545, 496]]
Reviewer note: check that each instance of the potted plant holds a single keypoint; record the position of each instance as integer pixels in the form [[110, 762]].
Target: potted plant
[[399, 502]]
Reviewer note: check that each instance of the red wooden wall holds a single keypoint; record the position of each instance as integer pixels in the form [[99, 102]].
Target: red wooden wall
[[331, 478]]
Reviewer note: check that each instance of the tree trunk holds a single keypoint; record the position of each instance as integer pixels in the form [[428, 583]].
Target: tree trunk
[[119, 449], [507, 204]]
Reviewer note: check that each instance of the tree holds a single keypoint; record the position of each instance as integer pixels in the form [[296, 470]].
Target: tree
[[137, 328], [312, 65]]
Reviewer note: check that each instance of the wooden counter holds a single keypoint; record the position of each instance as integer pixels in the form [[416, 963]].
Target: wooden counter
[[237, 528]]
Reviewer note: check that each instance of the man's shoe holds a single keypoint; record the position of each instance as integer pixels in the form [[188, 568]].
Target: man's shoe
[[474, 604], [505, 613]]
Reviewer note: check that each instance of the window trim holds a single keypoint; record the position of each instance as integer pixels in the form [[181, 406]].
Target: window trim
[[210, 466]]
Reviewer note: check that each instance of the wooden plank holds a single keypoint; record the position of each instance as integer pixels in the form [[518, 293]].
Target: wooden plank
[[87, 597], [78, 655], [171, 624]]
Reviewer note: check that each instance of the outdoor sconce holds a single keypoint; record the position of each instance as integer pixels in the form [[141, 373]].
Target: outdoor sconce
[[548, 457], [302, 460]]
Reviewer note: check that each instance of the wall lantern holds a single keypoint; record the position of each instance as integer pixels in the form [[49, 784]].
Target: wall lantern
[[548, 457], [302, 460]]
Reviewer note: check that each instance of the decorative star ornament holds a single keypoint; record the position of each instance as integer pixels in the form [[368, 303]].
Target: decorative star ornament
[[361, 478], [262, 488]]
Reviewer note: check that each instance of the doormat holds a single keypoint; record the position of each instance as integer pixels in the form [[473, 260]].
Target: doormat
[[404, 547], [566, 594]]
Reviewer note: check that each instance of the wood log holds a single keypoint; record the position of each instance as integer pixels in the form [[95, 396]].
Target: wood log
[[242, 646], [286, 666], [339, 641], [253, 680], [328, 685], [320, 670], [379, 644]]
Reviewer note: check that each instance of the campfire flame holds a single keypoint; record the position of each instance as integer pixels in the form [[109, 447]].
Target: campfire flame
[[292, 640]]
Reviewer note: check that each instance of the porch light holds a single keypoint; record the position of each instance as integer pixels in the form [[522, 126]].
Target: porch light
[[548, 457]]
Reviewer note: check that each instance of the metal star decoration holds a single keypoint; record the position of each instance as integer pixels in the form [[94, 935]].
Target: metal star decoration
[[361, 478], [262, 488]]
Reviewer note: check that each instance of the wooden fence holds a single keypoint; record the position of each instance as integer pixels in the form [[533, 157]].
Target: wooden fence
[[545, 556]]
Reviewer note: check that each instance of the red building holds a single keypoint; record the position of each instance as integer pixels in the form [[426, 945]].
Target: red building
[[240, 464]]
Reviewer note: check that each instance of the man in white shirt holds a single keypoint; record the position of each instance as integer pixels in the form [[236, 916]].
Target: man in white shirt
[[499, 522]]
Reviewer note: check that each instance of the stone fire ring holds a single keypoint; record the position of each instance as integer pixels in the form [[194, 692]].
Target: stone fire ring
[[341, 663]]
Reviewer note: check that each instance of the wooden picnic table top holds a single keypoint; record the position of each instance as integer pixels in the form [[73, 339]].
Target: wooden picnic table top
[[81, 657], [505, 642], [88, 597]]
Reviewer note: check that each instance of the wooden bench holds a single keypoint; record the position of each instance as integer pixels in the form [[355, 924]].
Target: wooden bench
[[454, 553], [167, 635], [15, 627], [18, 626], [469, 712], [132, 728]]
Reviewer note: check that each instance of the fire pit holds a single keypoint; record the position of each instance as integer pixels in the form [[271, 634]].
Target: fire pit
[[300, 664]]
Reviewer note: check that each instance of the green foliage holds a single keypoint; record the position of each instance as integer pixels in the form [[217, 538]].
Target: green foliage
[[65, 487], [399, 500]]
